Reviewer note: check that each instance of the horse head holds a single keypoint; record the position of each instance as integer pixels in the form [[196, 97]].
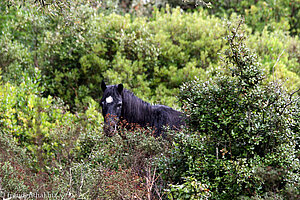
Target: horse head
[[111, 104]]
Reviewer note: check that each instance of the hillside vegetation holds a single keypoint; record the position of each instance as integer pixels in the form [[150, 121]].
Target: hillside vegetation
[[234, 70]]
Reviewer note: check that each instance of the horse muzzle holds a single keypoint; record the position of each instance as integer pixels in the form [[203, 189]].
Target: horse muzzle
[[110, 126]]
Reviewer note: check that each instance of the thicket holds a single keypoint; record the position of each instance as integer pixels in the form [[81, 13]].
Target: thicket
[[243, 135], [77, 48]]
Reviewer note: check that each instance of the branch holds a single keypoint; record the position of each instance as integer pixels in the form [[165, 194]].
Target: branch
[[294, 93], [42, 3]]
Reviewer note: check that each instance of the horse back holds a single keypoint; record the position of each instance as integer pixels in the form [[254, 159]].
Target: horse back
[[166, 116]]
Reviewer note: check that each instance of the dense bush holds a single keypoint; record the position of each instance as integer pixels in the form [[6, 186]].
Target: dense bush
[[248, 131], [43, 125], [88, 165]]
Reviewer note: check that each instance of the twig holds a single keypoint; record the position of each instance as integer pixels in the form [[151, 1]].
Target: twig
[[70, 182], [294, 93], [150, 181], [273, 69], [289, 104], [81, 182]]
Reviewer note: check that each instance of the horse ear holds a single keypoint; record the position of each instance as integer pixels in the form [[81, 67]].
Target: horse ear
[[120, 88], [103, 86]]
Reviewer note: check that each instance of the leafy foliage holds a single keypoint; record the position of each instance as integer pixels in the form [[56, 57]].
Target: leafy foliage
[[248, 128], [281, 14], [191, 189]]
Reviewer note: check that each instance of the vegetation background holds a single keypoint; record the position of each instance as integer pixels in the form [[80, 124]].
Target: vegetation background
[[232, 66]]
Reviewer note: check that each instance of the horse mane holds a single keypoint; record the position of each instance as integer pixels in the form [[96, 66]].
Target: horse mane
[[135, 110]]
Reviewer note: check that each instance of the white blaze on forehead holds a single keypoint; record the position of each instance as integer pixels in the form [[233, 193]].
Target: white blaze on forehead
[[109, 99]]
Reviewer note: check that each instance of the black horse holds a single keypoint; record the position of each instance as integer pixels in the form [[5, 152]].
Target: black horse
[[120, 105]]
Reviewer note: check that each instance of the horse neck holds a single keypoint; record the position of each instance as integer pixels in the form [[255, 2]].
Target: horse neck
[[135, 110]]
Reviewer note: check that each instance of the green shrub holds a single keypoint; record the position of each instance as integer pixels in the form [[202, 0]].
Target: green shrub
[[278, 53], [247, 129], [60, 51], [15, 59], [14, 173], [190, 189], [30, 118]]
